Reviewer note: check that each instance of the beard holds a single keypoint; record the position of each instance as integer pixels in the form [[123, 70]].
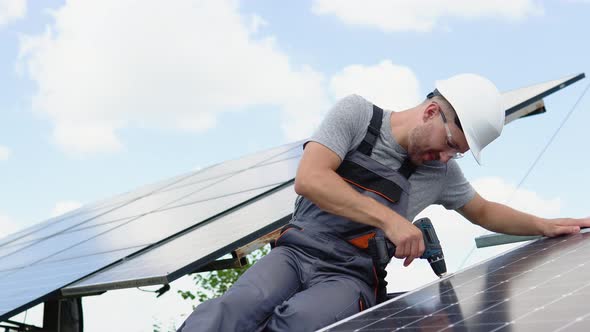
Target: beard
[[418, 144]]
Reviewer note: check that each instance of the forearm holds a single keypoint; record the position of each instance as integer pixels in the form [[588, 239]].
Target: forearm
[[332, 194], [504, 219]]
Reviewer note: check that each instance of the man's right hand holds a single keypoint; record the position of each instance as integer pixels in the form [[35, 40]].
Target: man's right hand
[[407, 238]]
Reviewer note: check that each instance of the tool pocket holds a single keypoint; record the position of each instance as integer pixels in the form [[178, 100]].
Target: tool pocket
[[285, 229]]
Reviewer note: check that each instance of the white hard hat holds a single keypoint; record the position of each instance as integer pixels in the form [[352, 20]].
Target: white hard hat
[[478, 105]]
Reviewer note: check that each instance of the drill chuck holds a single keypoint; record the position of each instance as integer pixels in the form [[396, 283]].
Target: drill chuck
[[438, 265]]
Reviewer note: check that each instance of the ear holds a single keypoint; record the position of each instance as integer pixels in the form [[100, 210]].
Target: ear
[[430, 111]]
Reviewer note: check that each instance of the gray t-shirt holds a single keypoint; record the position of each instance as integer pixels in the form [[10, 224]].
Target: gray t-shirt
[[434, 182]]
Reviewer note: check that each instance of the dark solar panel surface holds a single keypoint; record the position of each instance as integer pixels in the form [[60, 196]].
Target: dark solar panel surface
[[542, 286], [36, 262], [20, 287]]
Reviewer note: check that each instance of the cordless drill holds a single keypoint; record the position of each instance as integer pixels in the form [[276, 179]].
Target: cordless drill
[[384, 249]]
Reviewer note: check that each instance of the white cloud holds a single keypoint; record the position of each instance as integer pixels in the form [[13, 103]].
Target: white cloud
[[156, 66], [11, 10], [5, 153], [387, 85], [63, 207], [424, 15], [457, 235]]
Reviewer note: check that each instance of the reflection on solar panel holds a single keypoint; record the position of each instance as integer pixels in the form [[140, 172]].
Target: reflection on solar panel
[[37, 262], [542, 286]]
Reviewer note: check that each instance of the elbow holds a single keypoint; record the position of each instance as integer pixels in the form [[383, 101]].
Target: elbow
[[308, 183], [301, 186]]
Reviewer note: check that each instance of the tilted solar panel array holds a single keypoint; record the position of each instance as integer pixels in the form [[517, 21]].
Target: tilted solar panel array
[[542, 286], [36, 262]]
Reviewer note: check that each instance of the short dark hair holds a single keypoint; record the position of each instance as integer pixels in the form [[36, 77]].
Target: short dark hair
[[438, 96]]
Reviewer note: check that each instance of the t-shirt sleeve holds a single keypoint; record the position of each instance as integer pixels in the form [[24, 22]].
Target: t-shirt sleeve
[[344, 125], [457, 191]]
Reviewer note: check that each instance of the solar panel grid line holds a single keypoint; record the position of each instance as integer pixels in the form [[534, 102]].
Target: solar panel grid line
[[204, 260], [262, 163], [15, 300], [188, 269], [522, 248], [516, 295], [381, 305], [156, 280], [65, 260], [114, 228], [289, 148], [556, 300], [23, 258], [507, 299], [271, 185], [585, 317], [220, 178], [271, 188], [159, 188], [82, 210], [174, 207], [251, 178], [70, 227], [157, 226]]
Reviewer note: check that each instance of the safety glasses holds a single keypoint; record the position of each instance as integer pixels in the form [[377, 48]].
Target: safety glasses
[[454, 153]]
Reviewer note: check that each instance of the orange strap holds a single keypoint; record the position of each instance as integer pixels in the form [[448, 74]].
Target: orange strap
[[362, 241]]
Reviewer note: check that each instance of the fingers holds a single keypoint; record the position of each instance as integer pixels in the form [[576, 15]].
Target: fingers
[[408, 261], [565, 230], [582, 222], [409, 242], [415, 249]]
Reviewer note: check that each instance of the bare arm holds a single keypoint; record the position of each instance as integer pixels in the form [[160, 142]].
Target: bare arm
[[317, 181], [500, 218]]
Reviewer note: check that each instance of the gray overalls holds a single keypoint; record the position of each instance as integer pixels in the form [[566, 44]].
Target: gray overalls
[[320, 270]]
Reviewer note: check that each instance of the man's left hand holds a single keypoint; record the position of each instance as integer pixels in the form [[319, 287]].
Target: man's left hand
[[564, 226]]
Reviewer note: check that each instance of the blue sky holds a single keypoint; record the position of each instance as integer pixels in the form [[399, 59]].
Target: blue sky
[[100, 97]]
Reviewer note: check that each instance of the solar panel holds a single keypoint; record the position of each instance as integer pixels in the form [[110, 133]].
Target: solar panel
[[182, 255], [156, 226], [542, 286], [84, 214], [529, 100], [42, 249], [90, 238], [22, 288]]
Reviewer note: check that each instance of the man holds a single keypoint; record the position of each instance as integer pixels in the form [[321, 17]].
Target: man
[[365, 174]]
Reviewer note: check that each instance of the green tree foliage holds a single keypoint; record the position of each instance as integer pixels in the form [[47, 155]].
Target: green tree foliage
[[213, 284]]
